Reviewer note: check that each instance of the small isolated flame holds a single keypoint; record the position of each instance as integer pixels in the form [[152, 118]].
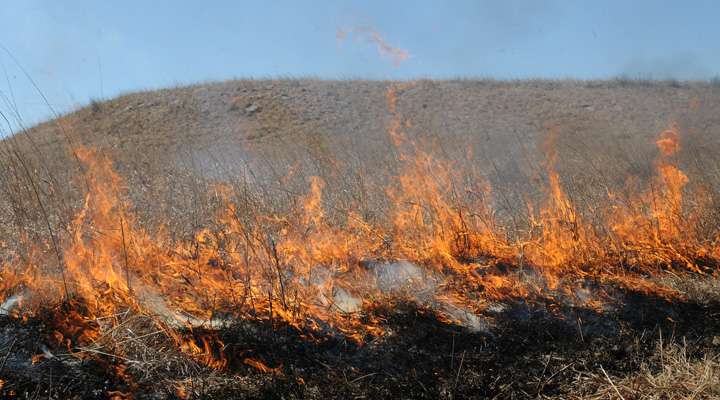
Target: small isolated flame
[[260, 366], [668, 143]]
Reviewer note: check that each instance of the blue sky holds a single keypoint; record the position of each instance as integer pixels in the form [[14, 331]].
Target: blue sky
[[76, 50]]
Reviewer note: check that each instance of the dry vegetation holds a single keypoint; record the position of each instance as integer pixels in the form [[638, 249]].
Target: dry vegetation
[[308, 239]]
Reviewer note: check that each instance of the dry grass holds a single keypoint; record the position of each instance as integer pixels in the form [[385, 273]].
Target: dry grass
[[147, 349], [703, 290], [671, 373]]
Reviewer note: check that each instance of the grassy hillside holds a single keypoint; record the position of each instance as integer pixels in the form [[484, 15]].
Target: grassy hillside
[[211, 130]]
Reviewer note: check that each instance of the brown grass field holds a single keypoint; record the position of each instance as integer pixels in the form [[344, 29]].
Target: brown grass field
[[363, 239]]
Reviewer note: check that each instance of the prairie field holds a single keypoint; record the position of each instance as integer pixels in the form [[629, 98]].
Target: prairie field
[[317, 239]]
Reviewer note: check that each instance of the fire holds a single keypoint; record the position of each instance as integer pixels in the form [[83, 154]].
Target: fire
[[307, 268], [260, 366], [653, 228], [668, 143], [208, 350]]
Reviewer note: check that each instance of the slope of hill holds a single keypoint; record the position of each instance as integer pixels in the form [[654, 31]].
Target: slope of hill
[[212, 128], [158, 138], [230, 118]]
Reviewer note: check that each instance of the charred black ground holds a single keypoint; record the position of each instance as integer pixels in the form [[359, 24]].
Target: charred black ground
[[531, 350]]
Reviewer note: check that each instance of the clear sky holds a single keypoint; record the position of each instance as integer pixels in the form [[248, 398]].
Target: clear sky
[[77, 50]]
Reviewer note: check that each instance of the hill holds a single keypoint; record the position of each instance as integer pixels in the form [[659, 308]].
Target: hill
[[162, 141], [212, 129], [168, 124]]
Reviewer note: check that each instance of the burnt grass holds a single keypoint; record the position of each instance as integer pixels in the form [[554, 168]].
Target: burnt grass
[[532, 349]]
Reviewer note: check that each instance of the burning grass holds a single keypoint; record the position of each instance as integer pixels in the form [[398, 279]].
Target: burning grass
[[276, 290]]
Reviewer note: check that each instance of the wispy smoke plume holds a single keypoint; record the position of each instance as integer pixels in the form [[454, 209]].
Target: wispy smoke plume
[[679, 65], [395, 54]]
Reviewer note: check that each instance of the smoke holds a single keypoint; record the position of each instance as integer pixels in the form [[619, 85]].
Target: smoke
[[404, 276], [396, 55], [402, 279], [683, 66], [407, 279], [11, 304]]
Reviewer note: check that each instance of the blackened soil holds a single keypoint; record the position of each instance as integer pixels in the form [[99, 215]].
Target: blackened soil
[[531, 350]]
